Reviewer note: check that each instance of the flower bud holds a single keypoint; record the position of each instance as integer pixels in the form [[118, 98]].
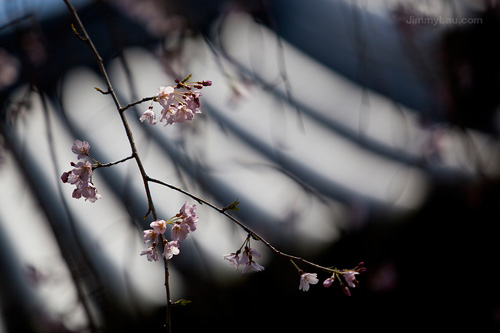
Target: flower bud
[[328, 282]]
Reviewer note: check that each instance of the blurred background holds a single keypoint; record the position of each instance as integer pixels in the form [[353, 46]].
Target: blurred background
[[349, 131]]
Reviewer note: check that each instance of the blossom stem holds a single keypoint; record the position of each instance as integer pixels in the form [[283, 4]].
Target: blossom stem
[[106, 165], [298, 269], [145, 99], [168, 319], [252, 233]]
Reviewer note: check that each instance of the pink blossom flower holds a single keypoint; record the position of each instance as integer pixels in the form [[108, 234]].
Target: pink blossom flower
[[185, 223], [248, 255], [184, 113], [77, 194], [168, 114], [193, 102], [151, 253], [170, 249], [189, 215], [233, 259], [179, 232], [350, 278], [81, 173], [81, 148], [247, 259], [159, 226], [179, 107], [81, 177], [166, 96], [149, 115], [177, 114], [306, 279], [252, 266], [86, 190], [149, 235], [89, 192]]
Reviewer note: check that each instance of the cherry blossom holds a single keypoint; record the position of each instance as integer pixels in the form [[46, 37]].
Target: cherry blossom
[[89, 192], [82, 173], [149, 115], [233, 259], [170, 249], [184, 222], [350, 278], [247, 259], [149, 235], [81, 148], [159, 226], [166, 96], [179, 232], [252, 266], [179, 103], [188, 214], [151, 253], [306, 279], [81, 177]]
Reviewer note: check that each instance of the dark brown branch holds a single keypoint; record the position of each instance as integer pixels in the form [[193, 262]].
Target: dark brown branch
[[252, 233], [106, 165], [151, 208], [145, 99]]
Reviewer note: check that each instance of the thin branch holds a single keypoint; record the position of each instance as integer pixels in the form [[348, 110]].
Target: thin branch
[[145, 99], [128, 131], [106, 165], [151, 208], [168, 320], [255, 235]]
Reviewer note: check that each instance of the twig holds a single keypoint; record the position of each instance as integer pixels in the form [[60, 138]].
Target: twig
[[255, 235], [151, 208], [106, 165], [145, 99]]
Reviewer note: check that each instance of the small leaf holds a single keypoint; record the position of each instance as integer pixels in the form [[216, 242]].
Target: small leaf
[[182, 302], [232, 206], [186, 78], [77, 34], [101, 91]]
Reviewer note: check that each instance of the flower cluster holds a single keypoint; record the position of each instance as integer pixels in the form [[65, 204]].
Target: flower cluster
[[81, 174], [179, 103], [349, 276], [246, 259], [182, 223]]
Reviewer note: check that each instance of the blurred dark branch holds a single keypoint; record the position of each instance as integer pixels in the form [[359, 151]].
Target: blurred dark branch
[[16, 300], [381, 149], [77, 235], [16, 21], [60, 221]]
